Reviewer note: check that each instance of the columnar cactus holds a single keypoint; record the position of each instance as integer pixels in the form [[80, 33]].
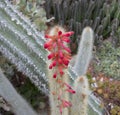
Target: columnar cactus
[[80, 67], [60, 56], [84, 52]]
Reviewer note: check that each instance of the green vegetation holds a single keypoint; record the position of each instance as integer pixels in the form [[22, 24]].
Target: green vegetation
[[32, 9], [108, 58]]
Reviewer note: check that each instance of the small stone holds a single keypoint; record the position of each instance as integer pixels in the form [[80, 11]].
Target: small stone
[[100, 91]]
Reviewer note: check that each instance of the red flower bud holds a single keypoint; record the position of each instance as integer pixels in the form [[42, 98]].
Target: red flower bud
[[59, 33], [51, 66], [67, 34], [66, 62], [50, 56], [54, 63], [61, 72], [46, 45], [67, 85], [55, 75], [70, 90]]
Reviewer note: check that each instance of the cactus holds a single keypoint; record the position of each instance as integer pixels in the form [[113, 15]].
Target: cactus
[[80, 67], [57, 40], [82, 92], [18, 104], [21, 43], [84, 52], [102, 16]]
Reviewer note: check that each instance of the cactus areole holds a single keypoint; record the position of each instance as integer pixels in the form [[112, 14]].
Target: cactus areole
[[60, 55]]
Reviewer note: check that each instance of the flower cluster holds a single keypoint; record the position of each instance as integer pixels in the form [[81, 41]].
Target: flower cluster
[[60, 56], [60, 53]]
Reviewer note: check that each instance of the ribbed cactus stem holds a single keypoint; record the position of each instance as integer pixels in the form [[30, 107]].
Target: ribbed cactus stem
[[84, 52], [80, 99]]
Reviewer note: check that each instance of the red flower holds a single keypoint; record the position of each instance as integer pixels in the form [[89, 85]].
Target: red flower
[[54, 63], [50, 66], [68, 86], [68, 34], [65, 61], [66, 103], [70, 90], [50, 56], [55, 75]]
